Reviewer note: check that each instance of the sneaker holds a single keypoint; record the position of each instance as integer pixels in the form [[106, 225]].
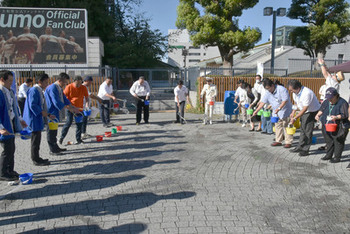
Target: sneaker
[[210, 122], [243, 125], [55, 153], [303, 153], [62, 149], [137, 123], [79, 142], [60, 141], [295, 150], [41, 163], [204, 122], [334, 160], [175, 122], [276, 144], [84, 136], [348, 167]]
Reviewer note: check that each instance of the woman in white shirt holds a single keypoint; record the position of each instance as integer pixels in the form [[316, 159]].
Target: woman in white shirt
[[210, 92]]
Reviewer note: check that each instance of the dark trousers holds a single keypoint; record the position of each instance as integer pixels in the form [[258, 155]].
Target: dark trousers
[[83, 127], [7, 157], [141, 105], [21, 102], [180, 109], [307, 122], [35, 145], [334, 142], [104, 111], [52, 140], [69, 121]]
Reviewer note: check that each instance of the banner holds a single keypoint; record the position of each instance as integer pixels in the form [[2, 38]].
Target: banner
[[43, 36]]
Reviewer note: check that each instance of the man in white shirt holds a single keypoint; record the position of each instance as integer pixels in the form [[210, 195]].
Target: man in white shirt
[[181, 95], [306, 101], [105, 92], [22, 93], [210, 92], [141, 91]]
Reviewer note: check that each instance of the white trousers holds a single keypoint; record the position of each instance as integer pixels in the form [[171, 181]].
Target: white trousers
[[208, 111]]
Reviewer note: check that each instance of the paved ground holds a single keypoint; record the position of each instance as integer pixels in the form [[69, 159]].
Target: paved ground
[[168, 178]]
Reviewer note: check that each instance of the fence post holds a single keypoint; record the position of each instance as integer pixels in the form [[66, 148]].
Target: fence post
[[65, 68], [31, 71], [150, 76]]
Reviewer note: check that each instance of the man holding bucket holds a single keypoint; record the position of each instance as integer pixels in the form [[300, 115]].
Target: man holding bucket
[[210, 91], [105, 92], [77, 94], [334, 110], [141, 91], [35, 114], [56, 101], [10, 123], [278, 97], [308, 106]]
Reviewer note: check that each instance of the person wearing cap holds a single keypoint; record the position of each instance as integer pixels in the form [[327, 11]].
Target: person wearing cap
[[77, 94], [308, 106], [210, 91], [334, 109], [105, 92], [332, 79], [141, 91], [87, 83]]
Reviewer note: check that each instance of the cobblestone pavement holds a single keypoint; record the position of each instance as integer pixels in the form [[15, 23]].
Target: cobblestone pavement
[[170, 178]]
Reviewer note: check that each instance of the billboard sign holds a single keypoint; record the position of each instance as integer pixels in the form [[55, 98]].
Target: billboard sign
[[43, 36]]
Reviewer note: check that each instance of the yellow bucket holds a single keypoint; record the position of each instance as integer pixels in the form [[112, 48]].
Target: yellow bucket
[[53, 126], [297, 123], [291, 131], [273, 129]]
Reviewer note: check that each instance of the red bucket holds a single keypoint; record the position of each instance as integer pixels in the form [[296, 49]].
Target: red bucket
[[99, 138], [108, 134], [211, 103], [116, 105], [119, 128], [331, 127]]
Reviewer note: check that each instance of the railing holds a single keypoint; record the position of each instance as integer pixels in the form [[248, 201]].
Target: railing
[[230, 83]]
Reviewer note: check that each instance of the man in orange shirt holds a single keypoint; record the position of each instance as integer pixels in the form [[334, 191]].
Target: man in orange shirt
[[78, 95]]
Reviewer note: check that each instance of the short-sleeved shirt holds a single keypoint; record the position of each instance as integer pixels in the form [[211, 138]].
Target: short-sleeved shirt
[[181, 93], [76, 95], [330, 82], [339, 108], [276, 98], [105, 89], [23, 90], [306, 97]]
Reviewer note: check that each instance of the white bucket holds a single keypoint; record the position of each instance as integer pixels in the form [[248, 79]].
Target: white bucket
[[94, 112]]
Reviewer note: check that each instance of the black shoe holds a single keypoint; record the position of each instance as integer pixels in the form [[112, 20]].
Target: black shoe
[[14, 173], [43, 160], [60, 141], [322, 148], [8, 178], [348, 167], [62, 149], [326, 158], [41, 163], [56, 153], [176, 121], [295, 150], [334, 160], [146, 122], [251, 130], [303, 153]]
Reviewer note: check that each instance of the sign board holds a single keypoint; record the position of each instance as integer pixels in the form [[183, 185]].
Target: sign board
[[43, 36]]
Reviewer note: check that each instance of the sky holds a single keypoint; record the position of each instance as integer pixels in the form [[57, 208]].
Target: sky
[[163, 16]]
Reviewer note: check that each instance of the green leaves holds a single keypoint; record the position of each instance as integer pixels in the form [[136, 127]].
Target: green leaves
[[217, 26]]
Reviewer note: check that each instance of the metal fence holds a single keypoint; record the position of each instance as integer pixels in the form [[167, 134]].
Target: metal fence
[[309, 67]]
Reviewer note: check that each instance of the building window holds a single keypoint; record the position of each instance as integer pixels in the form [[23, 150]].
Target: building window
[[194, 60], [194, 47], [340, 57], [194, 54]]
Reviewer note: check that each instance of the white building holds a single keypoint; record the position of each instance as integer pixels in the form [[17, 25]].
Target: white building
[[179, 42]]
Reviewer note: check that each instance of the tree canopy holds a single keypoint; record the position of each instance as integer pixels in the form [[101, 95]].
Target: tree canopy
[[218, 25], [328, 23], [129, 41]]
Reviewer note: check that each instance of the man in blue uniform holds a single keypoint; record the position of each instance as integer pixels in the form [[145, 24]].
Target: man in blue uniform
[[35, 114], [10, 122], [56, 101]]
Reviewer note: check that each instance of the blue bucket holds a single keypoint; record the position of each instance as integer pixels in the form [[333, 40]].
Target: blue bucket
[[146, 102], [26, 134], [26, 178], [314, 140], [78, 118], [274, 119], [87, 112], [246, 106]]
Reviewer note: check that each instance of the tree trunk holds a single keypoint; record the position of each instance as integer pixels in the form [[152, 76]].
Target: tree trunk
[[227, 65]]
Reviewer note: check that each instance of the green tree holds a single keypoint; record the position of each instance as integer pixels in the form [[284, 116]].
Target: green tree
[[328, 22], [300, 38], [218, 25]]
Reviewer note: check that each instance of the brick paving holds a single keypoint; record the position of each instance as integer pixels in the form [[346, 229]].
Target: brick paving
[[169, 178]]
